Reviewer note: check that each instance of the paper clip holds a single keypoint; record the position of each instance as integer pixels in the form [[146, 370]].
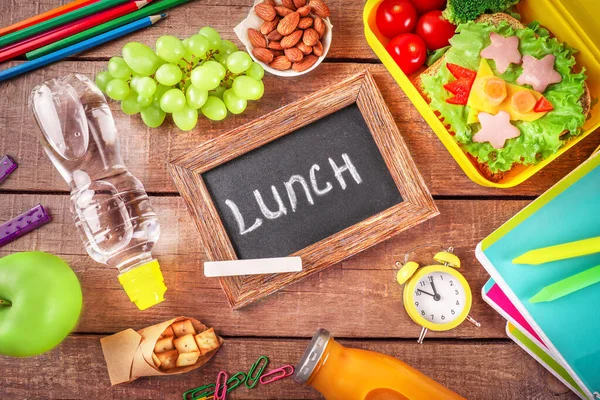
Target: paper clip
[[221, 386], [278, 373], [254, 374], [200, 393], [235, 381]]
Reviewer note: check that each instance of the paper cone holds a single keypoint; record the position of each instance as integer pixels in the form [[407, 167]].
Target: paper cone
[[253, 21], [128, 354]]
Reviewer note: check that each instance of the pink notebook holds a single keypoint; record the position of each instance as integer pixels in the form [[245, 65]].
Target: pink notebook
[[495, 297]]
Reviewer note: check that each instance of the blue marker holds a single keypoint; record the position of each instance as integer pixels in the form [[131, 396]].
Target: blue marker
[[79, 47]]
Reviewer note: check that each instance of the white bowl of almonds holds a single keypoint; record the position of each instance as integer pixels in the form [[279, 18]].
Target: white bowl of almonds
[[287, 37]]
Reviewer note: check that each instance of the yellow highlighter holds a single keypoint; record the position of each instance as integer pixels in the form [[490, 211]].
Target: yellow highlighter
[[560, 252]]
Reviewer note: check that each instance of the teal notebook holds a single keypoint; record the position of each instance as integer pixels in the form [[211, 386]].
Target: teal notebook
[[570, 326]]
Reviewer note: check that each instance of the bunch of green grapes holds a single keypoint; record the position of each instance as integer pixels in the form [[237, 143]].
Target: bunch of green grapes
[[201, 72]]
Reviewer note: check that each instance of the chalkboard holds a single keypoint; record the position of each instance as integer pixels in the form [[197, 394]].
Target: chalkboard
[[305, 214], [269, 188]]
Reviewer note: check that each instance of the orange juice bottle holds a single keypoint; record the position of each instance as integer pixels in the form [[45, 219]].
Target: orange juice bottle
[[340, 373]]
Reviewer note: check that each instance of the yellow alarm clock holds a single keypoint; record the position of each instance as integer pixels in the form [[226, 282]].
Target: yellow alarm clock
[[437, 297]]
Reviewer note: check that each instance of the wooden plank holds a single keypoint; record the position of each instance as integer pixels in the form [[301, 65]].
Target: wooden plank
[[362, 287], [146, 150], [223, 15], [77, 370]]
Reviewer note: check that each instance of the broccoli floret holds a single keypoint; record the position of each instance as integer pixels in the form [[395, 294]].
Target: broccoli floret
[[461, 11]]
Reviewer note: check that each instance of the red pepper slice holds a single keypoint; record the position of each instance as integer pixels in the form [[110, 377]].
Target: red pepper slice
[[543, 105], [461, 87], [458, 86], [459, 98], [461, 72]]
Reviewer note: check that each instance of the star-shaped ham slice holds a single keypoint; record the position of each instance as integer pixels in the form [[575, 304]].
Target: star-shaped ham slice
[[496, 129], [503, 50], [539, 73]]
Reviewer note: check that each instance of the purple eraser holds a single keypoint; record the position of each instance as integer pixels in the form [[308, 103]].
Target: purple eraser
[[7, 165], [24, 223]]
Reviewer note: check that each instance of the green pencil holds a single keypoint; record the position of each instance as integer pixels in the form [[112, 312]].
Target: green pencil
[[150, 9], [568, 285], [58, 21]]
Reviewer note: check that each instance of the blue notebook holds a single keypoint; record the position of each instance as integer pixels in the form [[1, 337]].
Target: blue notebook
[[570, 326]]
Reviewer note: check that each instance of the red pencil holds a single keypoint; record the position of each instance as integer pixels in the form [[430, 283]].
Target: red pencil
[[72, 28], [46, 16]]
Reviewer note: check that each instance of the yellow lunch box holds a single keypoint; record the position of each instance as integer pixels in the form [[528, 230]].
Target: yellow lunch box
[[576, 22]]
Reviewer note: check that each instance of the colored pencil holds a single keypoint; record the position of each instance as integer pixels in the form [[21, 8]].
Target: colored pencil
[[153, 8], [72, 28], [79, 47], [568, 285], [58, 21], [560, 252], [55, 12]]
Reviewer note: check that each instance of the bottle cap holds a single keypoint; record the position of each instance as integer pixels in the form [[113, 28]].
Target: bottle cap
[[144, 285], [312, 356]]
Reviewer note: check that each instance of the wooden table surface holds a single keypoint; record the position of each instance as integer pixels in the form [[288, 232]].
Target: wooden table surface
[[357, 300]]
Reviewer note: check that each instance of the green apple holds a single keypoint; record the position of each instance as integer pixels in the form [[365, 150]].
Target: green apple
[[40, 303]]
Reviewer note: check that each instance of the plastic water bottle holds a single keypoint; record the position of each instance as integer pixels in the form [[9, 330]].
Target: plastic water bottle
[[111, 209]]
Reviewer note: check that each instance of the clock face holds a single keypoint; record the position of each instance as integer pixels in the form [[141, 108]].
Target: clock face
[[439, 297]]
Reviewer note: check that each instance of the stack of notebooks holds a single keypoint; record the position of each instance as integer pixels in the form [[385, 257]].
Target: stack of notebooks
[[560, 327]]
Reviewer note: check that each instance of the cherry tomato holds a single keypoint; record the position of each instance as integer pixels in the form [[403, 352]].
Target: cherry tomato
[[395, 17], [409, 52], [424, 6], [435, 29]]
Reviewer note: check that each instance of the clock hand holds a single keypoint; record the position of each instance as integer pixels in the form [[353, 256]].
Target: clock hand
[[436, 296], [433, 287], [422, 291]]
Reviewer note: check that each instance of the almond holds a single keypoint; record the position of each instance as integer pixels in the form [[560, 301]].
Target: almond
[[268, 26], [306, 50], [299, 3], [265, 11], [274, 35], [280, 63], [288, 24], [263, 55], [270, 2], [303, 11], [293, 54], [319, 26], [305, 22], [256, 38], [277, 53], [275, 45], [283, 11], [318, 49], [291, 40], [305, 64], [320, 8], [310, 37], [289, 4]]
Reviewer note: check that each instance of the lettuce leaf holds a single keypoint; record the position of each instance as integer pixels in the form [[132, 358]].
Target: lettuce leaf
[[539, 139]]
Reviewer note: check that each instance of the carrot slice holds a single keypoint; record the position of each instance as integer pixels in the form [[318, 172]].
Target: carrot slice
[[494, 90], [523, 101], [543, 105]]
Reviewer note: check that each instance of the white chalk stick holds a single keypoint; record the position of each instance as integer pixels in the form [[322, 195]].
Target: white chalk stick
[[252, 267]]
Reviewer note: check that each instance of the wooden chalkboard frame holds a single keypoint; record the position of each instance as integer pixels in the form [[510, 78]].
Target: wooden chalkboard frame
[[417, 207]]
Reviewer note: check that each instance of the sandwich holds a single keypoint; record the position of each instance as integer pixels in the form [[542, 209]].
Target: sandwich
[[511, 95]]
